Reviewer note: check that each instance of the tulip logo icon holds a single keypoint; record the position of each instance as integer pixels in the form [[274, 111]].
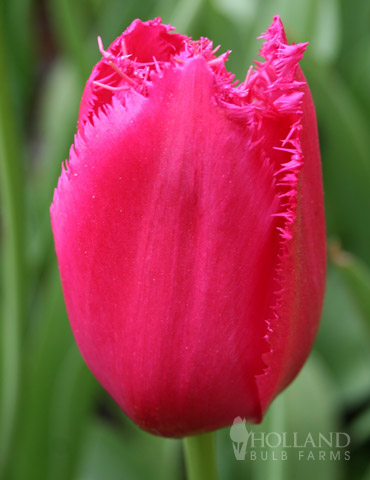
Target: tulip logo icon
[[239, 436]]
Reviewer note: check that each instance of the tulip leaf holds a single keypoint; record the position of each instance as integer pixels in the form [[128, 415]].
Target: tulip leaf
[[343, 341], [48, 341], [71, 404], [105, 455], [356, 275], [14, 267], [367, 474], [325, 35], [55, 128], [356, 68], [114, 454], [360, 428], [355, 59], [70, 25], [355, 16], [19, 39]]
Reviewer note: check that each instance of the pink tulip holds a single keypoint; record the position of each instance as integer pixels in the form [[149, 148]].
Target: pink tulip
[[189, 228]]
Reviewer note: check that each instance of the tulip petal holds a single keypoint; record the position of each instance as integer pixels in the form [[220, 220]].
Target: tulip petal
[[189, 230]]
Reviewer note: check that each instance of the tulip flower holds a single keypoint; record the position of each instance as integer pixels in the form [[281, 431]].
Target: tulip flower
[[189, 228]]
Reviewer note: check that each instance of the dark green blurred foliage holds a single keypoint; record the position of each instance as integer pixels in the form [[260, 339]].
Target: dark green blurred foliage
[[56, 422]]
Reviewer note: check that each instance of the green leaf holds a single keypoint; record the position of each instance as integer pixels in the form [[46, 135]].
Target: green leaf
[[360, 428], [356, 275], [14, 269], [70, 411], [49, 338], [343, 341], [367, 474], [55, 127], [70, 28], [115, 454]]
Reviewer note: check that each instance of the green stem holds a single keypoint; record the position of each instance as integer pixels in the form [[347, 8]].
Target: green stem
[[276, 470], [200, 457], [12, 259]]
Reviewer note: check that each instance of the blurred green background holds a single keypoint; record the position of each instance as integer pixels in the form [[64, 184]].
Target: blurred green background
[[55, 421]]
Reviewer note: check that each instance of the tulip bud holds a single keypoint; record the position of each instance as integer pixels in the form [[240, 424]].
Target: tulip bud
[[189, 228]]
